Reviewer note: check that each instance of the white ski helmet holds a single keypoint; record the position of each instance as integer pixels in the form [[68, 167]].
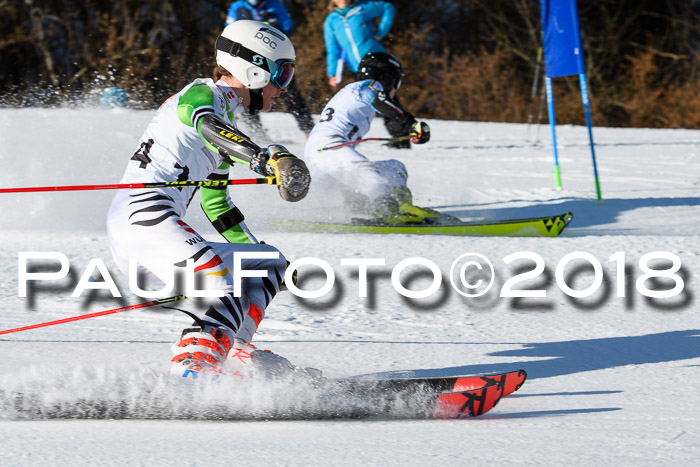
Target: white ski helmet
[[256, 53]]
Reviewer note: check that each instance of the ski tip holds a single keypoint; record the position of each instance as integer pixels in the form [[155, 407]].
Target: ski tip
[[469, 403], [521, 374], [567, 218], [511, 381], [510, 385]]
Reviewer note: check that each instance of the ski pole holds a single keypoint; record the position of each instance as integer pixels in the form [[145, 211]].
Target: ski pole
[[351, 143], [120, 186], [533, 92], [99, 313]]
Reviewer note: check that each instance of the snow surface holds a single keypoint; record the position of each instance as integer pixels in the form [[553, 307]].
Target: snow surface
[[612, 379]]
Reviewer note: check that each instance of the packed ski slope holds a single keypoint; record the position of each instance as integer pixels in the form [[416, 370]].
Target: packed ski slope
[[612, 379]]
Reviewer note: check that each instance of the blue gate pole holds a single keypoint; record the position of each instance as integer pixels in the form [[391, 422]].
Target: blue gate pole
[[587, 110], [552, 124]]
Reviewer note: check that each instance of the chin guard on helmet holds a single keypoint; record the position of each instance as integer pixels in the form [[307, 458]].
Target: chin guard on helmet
[[256, 101]]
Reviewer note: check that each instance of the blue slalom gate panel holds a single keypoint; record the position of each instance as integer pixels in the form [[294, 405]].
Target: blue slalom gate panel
[[563, 52]]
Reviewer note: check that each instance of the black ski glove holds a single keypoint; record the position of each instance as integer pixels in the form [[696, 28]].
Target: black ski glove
[[289, 171], [420, 133]]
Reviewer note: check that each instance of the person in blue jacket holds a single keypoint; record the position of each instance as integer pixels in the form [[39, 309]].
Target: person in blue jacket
[[113, 97], [267, 11], [350, 35], [275, 14]]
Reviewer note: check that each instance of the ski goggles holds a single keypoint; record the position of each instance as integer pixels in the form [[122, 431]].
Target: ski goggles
[[281, 71]]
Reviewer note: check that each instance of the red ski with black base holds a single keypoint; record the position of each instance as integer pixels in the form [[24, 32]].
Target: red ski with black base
[[511, 382], [468, 403], [454, 396]]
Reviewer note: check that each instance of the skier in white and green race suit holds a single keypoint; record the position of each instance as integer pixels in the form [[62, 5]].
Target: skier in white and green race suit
[[194, 137]]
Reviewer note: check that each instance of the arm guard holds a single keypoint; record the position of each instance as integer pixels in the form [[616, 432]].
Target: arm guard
[[393, 111], [225, 140], [226, 218]]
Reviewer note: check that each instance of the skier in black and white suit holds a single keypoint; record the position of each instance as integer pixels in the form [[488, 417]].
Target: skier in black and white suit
[[347, 117], [193, 137]]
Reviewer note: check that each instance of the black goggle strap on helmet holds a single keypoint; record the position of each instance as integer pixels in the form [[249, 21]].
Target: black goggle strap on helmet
[[237, 50], [282, 70]]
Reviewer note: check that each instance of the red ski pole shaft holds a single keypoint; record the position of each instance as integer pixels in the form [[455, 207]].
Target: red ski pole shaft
[[99, 313], [121, 186], [352, 143]]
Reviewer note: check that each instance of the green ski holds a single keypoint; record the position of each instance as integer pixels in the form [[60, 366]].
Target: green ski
[[547, 226]]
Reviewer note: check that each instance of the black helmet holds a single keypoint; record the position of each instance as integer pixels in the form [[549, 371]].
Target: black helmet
[[383, 67]]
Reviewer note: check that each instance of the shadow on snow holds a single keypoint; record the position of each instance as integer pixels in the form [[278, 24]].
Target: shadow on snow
[[587, 212], [571, 357]]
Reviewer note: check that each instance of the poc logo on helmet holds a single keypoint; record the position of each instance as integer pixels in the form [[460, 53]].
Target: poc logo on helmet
[[266, 40]]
